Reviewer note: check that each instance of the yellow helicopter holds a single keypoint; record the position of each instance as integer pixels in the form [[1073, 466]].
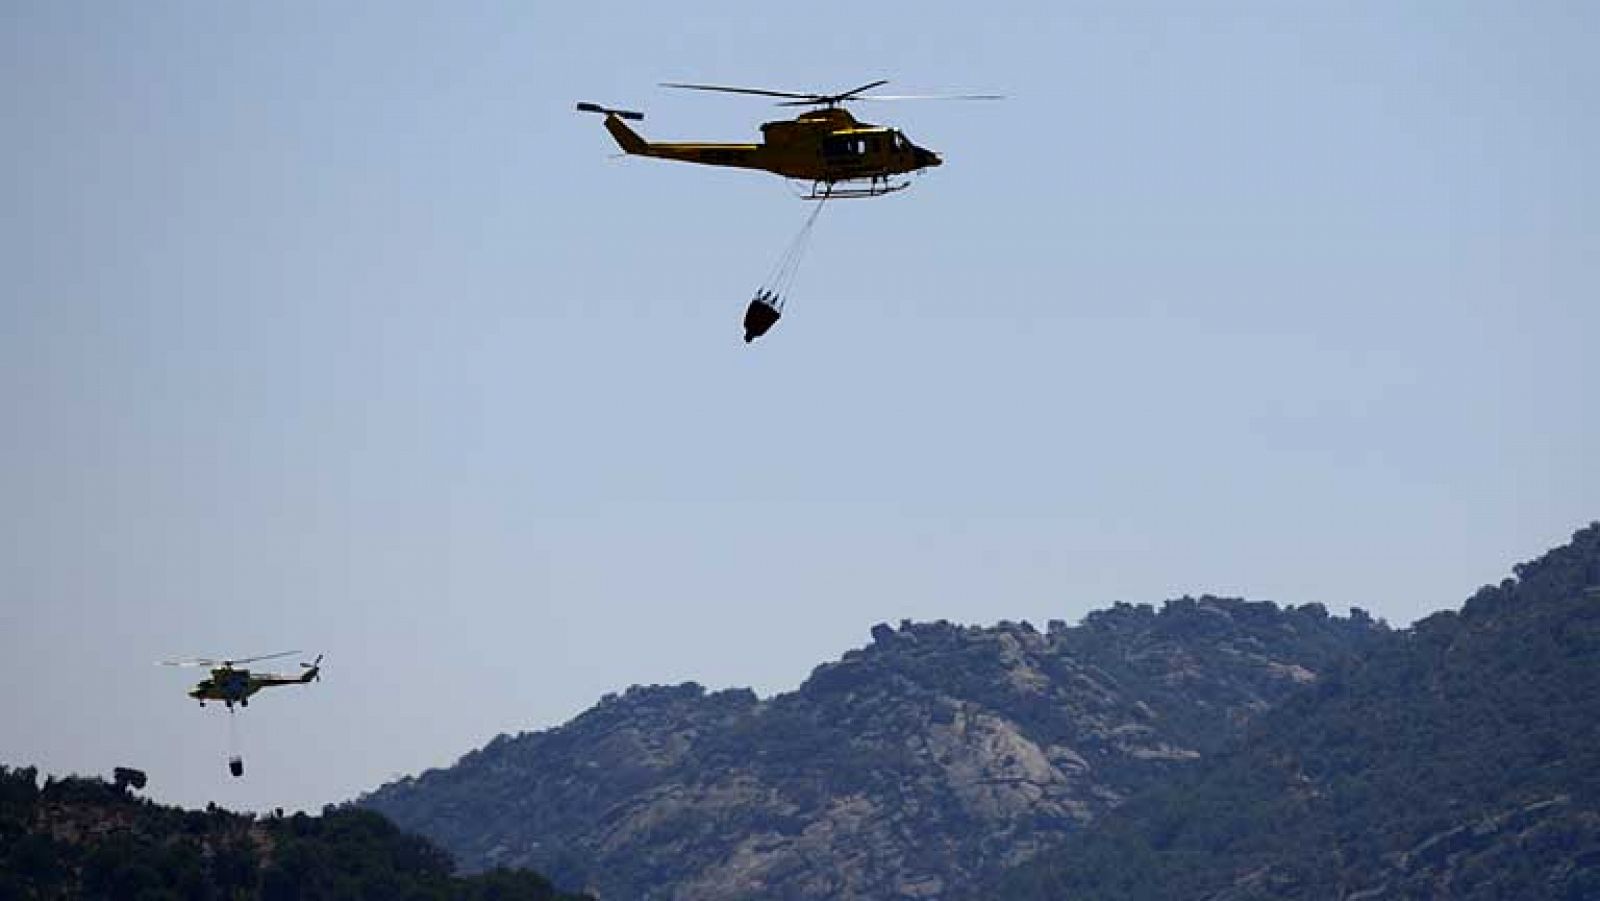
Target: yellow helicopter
[[230, 684], [838, 154]]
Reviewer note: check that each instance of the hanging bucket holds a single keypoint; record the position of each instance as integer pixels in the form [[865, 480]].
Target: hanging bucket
[[236, 766], [759, 317]]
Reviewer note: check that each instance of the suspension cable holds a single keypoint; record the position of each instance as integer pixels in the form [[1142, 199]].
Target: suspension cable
[[782, 275]]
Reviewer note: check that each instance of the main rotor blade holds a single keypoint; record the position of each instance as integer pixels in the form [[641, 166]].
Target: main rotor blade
[[262, 657], [834, 99], [850, 95], [727, 90], [930, 97], [198, 661]]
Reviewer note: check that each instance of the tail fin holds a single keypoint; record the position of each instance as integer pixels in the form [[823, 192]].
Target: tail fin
[[313, 670], [628, 139]]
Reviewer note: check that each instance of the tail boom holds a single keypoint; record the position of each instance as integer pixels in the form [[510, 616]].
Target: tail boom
[[747, 156]]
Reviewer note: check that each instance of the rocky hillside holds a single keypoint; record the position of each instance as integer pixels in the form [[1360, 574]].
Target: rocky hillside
[[917, 766], [1458, 759], [85, 838]]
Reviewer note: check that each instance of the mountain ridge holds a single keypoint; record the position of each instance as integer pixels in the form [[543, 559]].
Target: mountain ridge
[[1213, 748], [917, 765]]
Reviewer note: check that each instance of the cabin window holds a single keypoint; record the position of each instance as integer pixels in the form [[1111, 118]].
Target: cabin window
[[844, 147]]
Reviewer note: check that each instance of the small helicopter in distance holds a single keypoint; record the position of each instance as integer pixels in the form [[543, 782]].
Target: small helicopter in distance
[[826, 146], [229, 684]]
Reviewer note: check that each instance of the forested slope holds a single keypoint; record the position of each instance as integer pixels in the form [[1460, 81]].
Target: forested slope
[[1456, 759]]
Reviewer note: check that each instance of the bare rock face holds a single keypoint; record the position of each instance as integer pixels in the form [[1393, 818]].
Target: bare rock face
[[912, 768]]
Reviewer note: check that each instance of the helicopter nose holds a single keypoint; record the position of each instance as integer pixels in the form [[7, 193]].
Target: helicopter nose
[[929, 158]]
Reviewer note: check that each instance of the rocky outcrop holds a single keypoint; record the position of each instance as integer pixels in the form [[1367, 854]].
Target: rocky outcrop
[[913, 767]]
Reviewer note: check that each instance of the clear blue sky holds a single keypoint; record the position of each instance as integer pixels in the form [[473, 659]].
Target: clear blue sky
[[332, 326]]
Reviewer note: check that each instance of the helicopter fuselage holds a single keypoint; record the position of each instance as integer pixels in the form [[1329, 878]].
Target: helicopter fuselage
[[235, 686], [824, 146]]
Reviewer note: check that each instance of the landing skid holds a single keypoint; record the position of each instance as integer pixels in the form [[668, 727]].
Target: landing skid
[[831, 190]]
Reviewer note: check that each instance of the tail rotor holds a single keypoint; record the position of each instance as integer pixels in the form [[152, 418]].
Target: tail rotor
[[607, 111]]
